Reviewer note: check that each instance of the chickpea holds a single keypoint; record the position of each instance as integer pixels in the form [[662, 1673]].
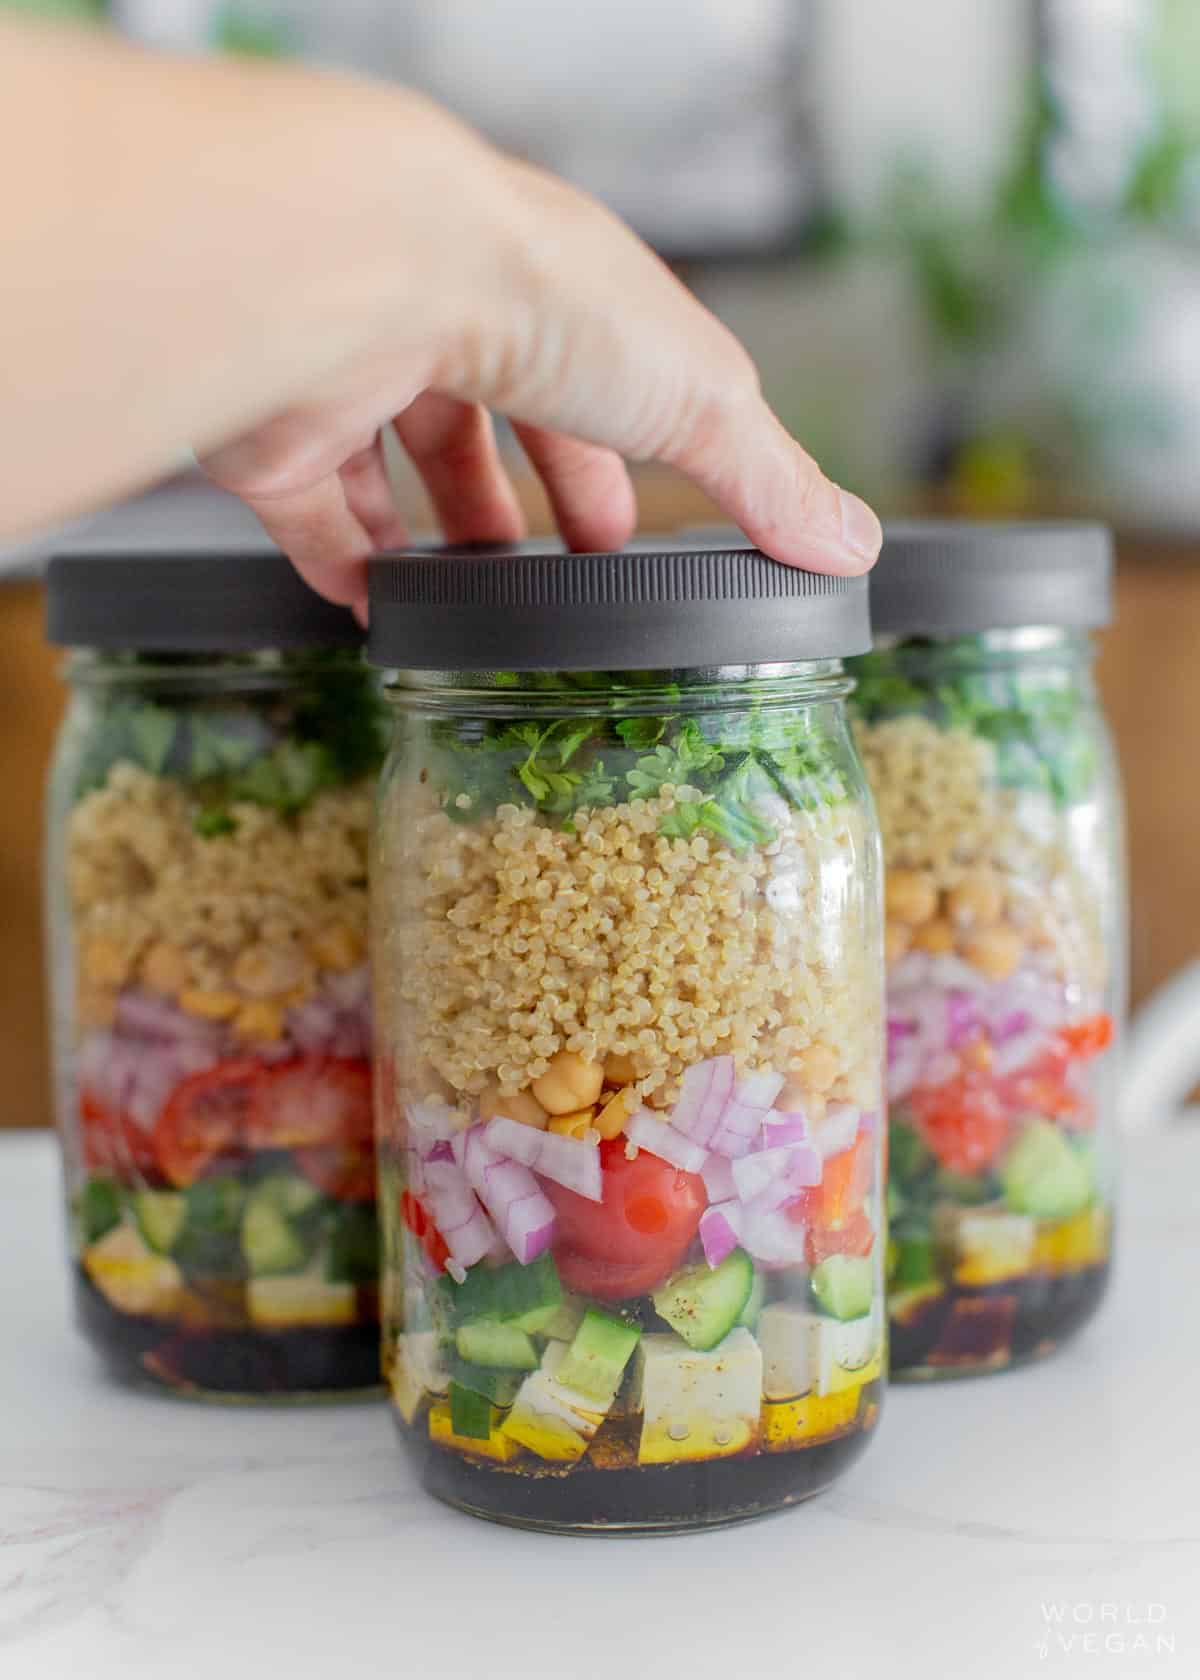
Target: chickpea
[[936, 937], [995, 951], [619, 1070], [165, 969], [977, 900], [819, 1067], [522, 1106], [96, 1006], [573, 1125], [569, 1084], [266, 970], [209, 1006], [617, 1112], [338, 947], [910, 896], [259, 1020], [103, 962], [896, 940]]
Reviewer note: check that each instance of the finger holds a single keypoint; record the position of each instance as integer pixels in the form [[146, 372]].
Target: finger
[[371, 498], [453, 447], [325, 541], [589, 488]]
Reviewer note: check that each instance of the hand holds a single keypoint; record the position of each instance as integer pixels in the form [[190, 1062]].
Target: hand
[[542, 306]]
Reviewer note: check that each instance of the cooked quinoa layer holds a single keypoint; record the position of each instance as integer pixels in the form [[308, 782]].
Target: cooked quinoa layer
[[502, 942], [944, 816], [252, 914]]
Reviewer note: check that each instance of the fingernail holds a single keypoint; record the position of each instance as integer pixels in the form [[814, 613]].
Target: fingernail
[[861, 530]]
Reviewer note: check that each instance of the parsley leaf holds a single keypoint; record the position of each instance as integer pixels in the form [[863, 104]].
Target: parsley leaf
[[688, 756]]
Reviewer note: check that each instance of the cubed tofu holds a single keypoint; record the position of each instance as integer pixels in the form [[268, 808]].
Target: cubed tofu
[[992, 1245], [697, 1405], [806, 1353], [415, 1369], [794, 1423], [441, 1429], [300, 1299], [132, 1277], [1071, 1244], [550, 1419]]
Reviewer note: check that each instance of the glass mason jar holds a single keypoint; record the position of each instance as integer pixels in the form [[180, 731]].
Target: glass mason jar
[[997, 794], [208, 828], [628, 973]]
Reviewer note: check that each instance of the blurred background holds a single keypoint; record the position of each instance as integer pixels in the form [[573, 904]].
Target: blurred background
[[962, 241]]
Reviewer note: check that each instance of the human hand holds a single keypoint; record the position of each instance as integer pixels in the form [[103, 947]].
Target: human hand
[[511, 292]]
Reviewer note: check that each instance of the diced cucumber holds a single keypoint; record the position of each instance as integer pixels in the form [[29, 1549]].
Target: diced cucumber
[[505, 1293], [969, 1189], [748, 1317], [595, 1362], [488, 1342], [292, 1195], [160, 1215], [354, 1245], [98, 1209], [1045, 1175], [471, 1414], [909, 1157], [500, 1387], [703, 1304], [270, 1242], [844, 1285], [215, 1204]]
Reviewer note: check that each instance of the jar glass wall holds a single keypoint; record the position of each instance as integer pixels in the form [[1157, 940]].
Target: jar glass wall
[[208, 827], [996, 789], [627, 948]]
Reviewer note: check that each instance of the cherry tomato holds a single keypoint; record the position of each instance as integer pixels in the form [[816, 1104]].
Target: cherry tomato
[[204, 1117], [843, 1188], [112, 1142], [639, 1233], [343, 1170], [426, 1232], [1087, 1038], [313, 1102], [964, 1122], [855, 1236]]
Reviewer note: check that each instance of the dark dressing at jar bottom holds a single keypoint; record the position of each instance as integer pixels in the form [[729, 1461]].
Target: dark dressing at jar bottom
[[334, 1363], [643, 1499], [966, 1332]]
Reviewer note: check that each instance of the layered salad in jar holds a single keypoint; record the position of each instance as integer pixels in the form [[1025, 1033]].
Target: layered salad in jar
[[214, 1077], [1002, 971], [629, 1002]]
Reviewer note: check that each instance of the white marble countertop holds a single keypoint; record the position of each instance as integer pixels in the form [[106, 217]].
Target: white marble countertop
[[141, 1536]]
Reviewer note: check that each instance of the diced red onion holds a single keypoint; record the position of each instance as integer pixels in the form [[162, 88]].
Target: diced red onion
[[141, 1015], [569, 1161], [717, 1173], [431, 1121], [773, 1239], [720, 1231], [836, 1130], [962, 1018], [313, 1025], [659, 1138], [1011, 1057], [465, 1227], [705, 1091], [740, 1126], [441, 1151], [510, 1193], [940, 1069], [780, 1129], [868, 1121], [348, 991], [904, 1072], [798, 1165]]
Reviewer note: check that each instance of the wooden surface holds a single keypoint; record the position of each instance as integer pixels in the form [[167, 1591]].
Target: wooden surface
[[1150, 676]]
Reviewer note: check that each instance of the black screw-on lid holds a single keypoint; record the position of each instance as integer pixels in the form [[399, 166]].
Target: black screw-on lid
[[198, 601], [534, 607], [957, 577]]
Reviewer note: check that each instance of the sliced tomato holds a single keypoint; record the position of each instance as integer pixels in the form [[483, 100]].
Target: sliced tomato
[[855, 1236], [633, 1238], [313, 1102], [343, 1170], [1087, 1038], [426, 1232], [965, 1122], [112, 1142], [205, 1117]]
